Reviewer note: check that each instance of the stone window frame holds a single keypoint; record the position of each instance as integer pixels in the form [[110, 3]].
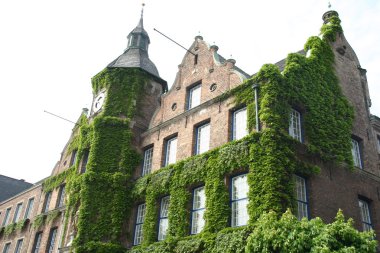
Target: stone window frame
[[19, 244], [7, 216], [7, 247], [37, 242], [29, 208], [18, 211], [51, 240]]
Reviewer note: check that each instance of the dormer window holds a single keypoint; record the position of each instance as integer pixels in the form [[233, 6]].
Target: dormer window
[[133, 40]]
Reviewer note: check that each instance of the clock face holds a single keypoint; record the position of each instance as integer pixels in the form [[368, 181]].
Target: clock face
[[98, 102]]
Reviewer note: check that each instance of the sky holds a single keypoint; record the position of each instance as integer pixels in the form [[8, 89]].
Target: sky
[[50, 49]]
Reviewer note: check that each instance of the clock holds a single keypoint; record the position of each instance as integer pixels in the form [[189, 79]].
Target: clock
[[98, 102]]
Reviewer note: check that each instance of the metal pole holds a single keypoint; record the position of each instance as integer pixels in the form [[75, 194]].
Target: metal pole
[[255, 87]]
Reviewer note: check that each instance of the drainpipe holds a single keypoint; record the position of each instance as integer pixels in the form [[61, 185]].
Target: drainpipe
[[255, 88]]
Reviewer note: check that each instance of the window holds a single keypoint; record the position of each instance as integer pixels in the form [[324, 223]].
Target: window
[[171, 151], [163, 222], [29, 208], [37, 242], [301, 198], [366, 217], [139, 224], [202, 138], [61, 196], [6, 217], [18, 210], [198, 210], [239, 201], [295, 125], [51, 241], [378, 143], [45, 208], [147, 162], [6, 247], [84, 161], [194, 97], [239, 124], [355, 149], [18, 246], [73, 158]]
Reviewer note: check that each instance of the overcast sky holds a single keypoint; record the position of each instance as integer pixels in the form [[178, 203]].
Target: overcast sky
[[50, 49]]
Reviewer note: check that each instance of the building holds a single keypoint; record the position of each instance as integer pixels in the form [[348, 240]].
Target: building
[[215, 151]]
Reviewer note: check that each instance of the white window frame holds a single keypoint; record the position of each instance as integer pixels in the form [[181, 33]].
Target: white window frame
[[239, 124], [356, 156], [239, 204], [301, 197], [47, 202], [163, 223], [140, 217], [6, 248], [194, 97], [7, 216], [198, 210], [19, 245], [18, 211], [295, 127], [37, 242], [203, 134], [147, 161], [51, 239], [29, 208], [171, 151], [365, 215]]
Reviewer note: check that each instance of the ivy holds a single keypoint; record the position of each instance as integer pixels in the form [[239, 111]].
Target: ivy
[[39, 220]]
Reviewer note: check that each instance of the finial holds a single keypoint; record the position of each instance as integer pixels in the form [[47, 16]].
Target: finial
[[329, 5], [142, 9]]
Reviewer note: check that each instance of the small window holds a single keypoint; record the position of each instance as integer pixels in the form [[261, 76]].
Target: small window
[[6, 217], [19, 246], [17, 215], [163, 221], [139, 224], [133, 40], [45, 208], [51, 241], [37, 242], [202, 138], [198, 210], [7, 246], [301, 197], [365, 214], [355, 150], [378, 143], [73, 158], [29, 208], [61, 196], [194, 97], [295, 129], [239, 124], [170, 151], [84, 161], [147, 162], [239, 201]]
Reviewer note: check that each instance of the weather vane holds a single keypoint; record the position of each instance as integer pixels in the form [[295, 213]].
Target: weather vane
[[142, 9], [329, 5]]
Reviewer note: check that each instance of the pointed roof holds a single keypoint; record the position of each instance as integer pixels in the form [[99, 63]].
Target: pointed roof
[[136, 54]]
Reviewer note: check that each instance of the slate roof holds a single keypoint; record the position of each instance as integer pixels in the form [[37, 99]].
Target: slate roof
[[11, 186]]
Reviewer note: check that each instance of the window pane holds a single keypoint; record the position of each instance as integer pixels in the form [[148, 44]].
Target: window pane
[[198, 221], [163, 223], [194, 96], [29, 208], [199, 204], [18, 246], [164, 207], [61, 199], [295, 125], [139, 223], [171, 151], [6, 248], [138, 234], [199, 198], [240, 124], [16, 217], [53, 234], [37, 243], [239, 187], [203, 139], [84, 161], [147, 163], [6, 217], [364, 212], [302, 209], [47, 202], [239, 213], [356, 153], [239, 197]]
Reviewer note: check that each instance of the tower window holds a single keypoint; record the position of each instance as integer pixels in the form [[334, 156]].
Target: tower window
[[139, 224], [198, 210], [170, 151], [51, 241], [147, 162], [355, 150], [239, 124], [195, 59], [29, 208], [163, 222], [301, 197], [194, 97], [295, 129], [202, 138], [16, 217], [239, 201], [365, 215]]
